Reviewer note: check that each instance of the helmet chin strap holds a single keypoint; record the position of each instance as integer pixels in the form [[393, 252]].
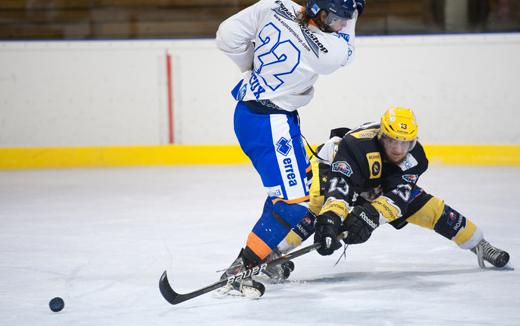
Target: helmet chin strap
[[327, 29]]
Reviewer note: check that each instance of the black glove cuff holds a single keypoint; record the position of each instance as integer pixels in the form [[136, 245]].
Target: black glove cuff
[[370, 210], [328, 218], [327, 228]]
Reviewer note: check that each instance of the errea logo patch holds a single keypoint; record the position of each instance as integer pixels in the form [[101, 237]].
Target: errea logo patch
[[283, 146]]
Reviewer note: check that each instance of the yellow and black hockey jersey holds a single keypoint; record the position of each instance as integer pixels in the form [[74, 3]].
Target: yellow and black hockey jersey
[[352, 169]]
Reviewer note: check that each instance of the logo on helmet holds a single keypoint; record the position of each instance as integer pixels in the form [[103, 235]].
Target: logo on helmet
[[343, 8], [315, 9], [400, 124]]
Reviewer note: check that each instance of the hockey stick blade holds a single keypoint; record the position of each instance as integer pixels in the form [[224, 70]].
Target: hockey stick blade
[[175, 298]]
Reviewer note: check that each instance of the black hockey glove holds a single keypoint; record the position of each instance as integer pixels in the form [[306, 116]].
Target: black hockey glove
[[327, 229], [360, 223], [360, 6]]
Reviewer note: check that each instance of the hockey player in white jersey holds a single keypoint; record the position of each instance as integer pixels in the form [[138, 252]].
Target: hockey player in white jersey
[[281, 47]]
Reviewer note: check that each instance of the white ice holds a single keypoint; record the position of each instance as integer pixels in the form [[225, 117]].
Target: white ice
[[100, 238]]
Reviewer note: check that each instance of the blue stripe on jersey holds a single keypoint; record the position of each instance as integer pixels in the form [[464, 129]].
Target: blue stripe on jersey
[[302, 159], [273, 144]]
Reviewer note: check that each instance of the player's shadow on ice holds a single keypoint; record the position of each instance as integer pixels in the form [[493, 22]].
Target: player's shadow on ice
[[366, 281]]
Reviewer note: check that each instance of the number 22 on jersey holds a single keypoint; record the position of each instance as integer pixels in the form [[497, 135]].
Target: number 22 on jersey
[[275, 58]]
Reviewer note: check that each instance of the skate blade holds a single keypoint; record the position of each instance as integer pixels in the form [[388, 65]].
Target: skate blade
[[246, 292], [226, 291], [507, 267], [251, 292], [262, 278]]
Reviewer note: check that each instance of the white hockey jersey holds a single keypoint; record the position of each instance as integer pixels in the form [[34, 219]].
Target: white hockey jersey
[[282, 58]]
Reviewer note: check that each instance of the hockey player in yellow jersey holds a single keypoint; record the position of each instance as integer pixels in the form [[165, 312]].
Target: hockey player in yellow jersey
[[366, 177]]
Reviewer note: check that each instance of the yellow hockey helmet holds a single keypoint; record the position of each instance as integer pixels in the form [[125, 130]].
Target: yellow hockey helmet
[[399, 123]]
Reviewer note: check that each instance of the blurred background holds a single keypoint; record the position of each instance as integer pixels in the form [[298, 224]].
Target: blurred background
[[115, 82], [146, 19]]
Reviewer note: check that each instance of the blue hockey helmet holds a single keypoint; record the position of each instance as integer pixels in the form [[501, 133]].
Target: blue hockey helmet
[[342, 8]]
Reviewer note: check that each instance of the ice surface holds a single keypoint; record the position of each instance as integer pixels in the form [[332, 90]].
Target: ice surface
[[100, 238]]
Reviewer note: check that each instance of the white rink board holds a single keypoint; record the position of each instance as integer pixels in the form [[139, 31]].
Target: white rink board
[[463, 88], [82, 93]]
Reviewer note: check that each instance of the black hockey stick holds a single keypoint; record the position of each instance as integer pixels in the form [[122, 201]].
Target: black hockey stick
[[174, 298]]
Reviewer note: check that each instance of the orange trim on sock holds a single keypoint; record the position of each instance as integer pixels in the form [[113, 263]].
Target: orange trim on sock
[[308, 169], [258, 246], [292, 201]]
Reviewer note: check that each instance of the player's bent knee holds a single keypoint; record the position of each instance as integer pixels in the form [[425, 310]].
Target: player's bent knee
[[291, 213], [429, 214]]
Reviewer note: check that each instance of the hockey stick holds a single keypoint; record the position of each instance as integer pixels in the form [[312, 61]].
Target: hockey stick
[[174, 298]]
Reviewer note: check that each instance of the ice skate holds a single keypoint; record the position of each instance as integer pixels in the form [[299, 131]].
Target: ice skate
[[243, 284], [275, 274], [486, 252]]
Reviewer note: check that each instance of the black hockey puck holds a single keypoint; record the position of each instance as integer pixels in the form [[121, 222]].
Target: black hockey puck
[[56, 304]]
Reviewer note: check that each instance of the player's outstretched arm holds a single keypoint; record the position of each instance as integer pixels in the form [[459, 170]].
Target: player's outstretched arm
[[360, 223]]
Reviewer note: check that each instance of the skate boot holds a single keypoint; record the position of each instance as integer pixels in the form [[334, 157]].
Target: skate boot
[[486, 252], [278, 273], [242, 282]]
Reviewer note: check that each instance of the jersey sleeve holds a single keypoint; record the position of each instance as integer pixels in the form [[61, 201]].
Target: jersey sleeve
[[236, 34], [400, 185], [349, 34]]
